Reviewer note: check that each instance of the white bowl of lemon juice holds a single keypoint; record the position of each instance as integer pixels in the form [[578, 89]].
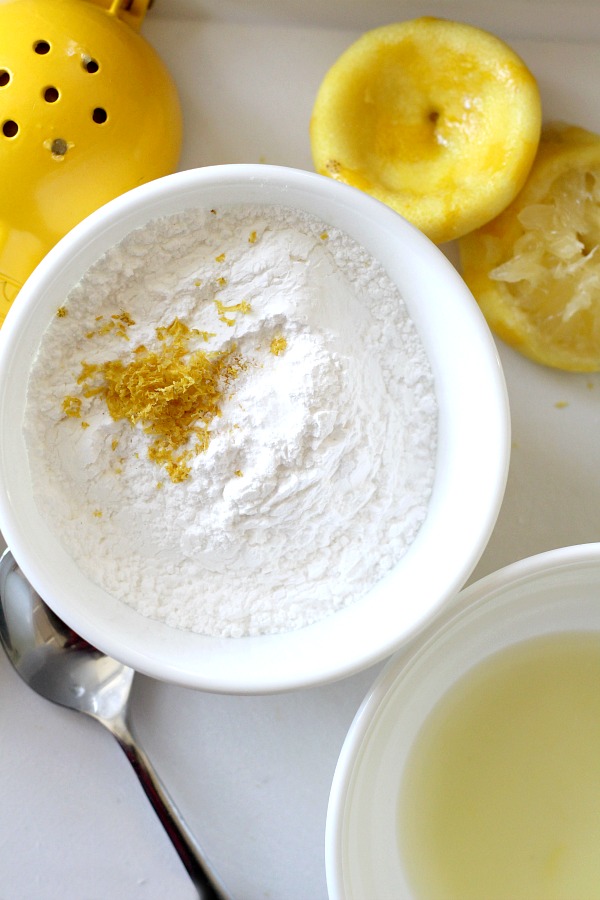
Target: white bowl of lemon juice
[[472, 768]]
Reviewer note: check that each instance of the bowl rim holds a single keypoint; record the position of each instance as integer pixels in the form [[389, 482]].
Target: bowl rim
[[477, 595], [244, 671]]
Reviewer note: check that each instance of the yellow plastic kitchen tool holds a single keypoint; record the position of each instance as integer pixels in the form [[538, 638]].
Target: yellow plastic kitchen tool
[[87, 111]]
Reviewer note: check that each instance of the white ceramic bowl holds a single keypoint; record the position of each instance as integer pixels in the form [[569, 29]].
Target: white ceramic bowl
[[552, 592], [471, 464]]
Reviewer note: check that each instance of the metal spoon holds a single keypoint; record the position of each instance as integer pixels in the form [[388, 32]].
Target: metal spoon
[[64, 668]]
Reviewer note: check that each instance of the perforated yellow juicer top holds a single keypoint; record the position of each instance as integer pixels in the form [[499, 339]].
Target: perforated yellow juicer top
[[87, 111]]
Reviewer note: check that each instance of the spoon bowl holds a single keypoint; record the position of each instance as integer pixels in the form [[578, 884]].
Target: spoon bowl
[[62, 667], [51, 658]]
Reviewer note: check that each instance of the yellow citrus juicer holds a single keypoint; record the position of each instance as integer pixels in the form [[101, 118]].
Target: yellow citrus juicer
[[87, 112]]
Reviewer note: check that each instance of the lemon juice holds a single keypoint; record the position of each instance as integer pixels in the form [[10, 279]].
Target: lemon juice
[[501, 794]]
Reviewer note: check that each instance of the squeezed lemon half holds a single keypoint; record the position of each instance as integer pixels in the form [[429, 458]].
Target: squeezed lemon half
[[535, 269], [438, 119]]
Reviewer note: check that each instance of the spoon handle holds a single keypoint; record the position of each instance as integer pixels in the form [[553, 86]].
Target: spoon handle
[[167, 812]]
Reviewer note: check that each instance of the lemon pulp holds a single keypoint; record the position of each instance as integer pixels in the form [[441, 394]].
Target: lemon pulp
[[535, 270]]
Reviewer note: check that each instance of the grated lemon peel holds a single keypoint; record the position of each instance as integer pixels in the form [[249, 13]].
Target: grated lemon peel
[[278, 345], [173, 392]]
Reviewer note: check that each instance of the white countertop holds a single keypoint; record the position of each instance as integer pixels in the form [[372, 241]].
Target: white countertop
[[252, 774]]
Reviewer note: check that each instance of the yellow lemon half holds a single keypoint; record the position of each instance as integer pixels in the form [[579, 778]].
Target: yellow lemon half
[[438, 119], [535, 269]]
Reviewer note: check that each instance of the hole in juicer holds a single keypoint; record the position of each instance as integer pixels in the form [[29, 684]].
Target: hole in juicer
[[9, 128], [90, 65], [41, 47], [51, 94], [99, 115], [58, 147], [4, 77]]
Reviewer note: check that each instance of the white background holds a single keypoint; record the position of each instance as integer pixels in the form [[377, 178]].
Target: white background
[[252, 774]]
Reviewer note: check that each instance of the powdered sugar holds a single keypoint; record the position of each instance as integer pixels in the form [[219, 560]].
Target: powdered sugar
[[319, 468]]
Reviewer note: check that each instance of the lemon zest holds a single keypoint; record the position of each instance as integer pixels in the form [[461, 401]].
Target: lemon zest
[[119, 323], [243, 307], [278, 345], [72, 406], [173, 393]]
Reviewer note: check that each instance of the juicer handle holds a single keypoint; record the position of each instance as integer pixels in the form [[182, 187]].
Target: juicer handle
[[130, 11]]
